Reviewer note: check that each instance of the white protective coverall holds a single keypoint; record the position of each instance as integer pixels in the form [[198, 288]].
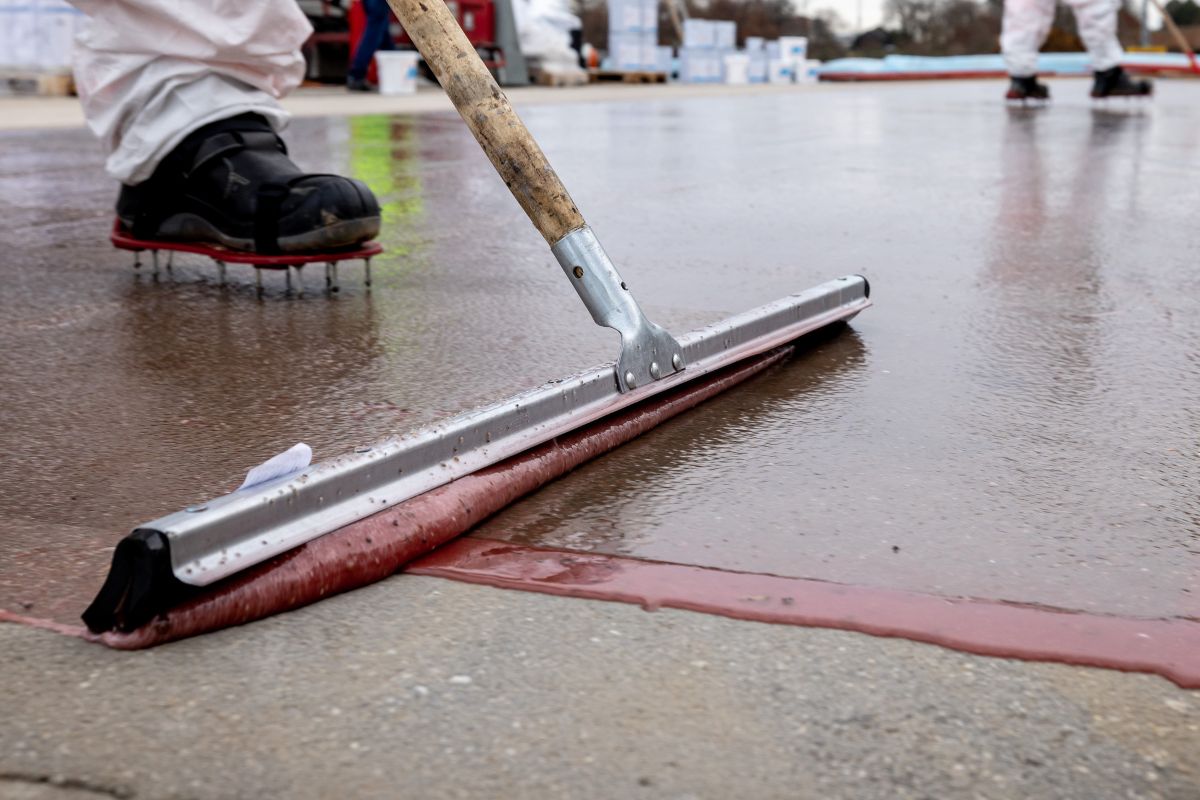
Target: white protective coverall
[[149, 72], [1027, 23]]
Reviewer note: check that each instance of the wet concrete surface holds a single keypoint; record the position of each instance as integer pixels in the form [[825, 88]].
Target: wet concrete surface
[[418, 687], [1013, 419]]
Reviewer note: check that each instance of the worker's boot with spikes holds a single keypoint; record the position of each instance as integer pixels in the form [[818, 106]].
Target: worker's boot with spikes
[[231, 184]]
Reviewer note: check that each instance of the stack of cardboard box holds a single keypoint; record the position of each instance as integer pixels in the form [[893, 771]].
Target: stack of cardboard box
[[706, 42], [756, 50], [787, 60], [633, 35], [37, 36], [710, 55]]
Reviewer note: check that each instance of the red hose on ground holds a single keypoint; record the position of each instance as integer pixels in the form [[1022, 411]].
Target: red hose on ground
[[375, 547]]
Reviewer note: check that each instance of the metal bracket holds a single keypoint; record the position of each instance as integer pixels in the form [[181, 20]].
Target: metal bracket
[[648, 351]]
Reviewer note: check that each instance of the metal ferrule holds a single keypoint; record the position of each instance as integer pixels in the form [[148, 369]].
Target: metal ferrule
[[648, 352]]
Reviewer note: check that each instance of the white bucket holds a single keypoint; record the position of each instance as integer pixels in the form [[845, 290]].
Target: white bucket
[[737, 68], [397, 71]]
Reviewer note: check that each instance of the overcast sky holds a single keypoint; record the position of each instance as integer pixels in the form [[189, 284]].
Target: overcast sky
[[848, 10]]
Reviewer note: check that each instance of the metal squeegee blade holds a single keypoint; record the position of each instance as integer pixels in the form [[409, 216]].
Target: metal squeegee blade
[[210, 541]]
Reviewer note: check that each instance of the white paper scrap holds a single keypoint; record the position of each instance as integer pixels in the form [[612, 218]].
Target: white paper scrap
[[291, 460]]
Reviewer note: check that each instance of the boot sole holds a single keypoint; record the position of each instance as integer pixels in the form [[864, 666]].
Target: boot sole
[[340, 235]]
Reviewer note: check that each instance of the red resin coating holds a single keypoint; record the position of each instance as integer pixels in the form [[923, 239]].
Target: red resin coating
[[1167, 647]]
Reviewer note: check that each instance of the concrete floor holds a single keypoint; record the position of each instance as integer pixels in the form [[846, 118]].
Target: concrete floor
[[1013, 415], [422, 688]]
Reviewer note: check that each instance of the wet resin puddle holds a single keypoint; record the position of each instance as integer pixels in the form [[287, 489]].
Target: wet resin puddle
[[1166, 647]]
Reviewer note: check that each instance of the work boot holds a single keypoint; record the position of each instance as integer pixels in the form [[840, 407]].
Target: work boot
[[231, 183], [1027, 88], [1116, 82], [358, 85]]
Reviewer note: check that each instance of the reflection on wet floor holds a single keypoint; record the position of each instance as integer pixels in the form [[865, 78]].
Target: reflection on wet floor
[[1014, 419], [1018, 427]]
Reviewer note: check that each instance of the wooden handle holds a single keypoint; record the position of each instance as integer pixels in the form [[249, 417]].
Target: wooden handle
[[488, 114], [1180, 39]]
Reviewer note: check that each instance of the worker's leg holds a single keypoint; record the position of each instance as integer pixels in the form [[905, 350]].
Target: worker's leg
[[375, 36], [183, 95], [151, 71], [1097, 24], [1023, 30]]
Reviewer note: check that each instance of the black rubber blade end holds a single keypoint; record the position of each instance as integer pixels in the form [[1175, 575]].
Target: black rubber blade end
[[140, 584]]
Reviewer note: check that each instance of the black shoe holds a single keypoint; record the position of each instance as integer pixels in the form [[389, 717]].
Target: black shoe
[[1027, 89], [358, 85], [1116, 82], [231, 183]]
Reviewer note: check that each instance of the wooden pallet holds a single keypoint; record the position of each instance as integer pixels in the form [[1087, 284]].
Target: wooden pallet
[[574, 78], [50, 84], [623, 76]]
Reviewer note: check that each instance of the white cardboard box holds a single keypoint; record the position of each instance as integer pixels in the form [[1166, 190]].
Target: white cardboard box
[[57, 24], [699, 65], [649, 16], [793, 48], [20, 34], [624, 16], [757, 71], [726, 34], [663, 56], [8, 16], [807, 71], [38, 34], [779, 71], [698, 33], [649, 49], [689, 66], [625, 51]]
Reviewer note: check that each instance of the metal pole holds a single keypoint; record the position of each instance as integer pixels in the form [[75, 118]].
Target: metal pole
[[1145, 35]]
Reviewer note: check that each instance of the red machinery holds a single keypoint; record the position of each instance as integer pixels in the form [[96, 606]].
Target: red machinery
[[338, 31]]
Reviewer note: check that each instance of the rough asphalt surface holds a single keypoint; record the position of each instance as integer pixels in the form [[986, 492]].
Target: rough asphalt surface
[[1038, 327]]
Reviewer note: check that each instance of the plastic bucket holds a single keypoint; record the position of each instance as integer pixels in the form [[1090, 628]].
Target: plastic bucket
[[397, 71], [737, 68]]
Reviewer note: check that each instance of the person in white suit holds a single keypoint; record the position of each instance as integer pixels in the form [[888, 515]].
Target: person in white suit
[[1024, 29], [185, 100]]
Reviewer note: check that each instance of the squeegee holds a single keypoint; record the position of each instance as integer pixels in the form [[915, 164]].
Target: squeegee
[[212, 542]]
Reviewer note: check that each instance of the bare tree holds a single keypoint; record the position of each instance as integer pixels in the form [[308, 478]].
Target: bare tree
[[944, 27]]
